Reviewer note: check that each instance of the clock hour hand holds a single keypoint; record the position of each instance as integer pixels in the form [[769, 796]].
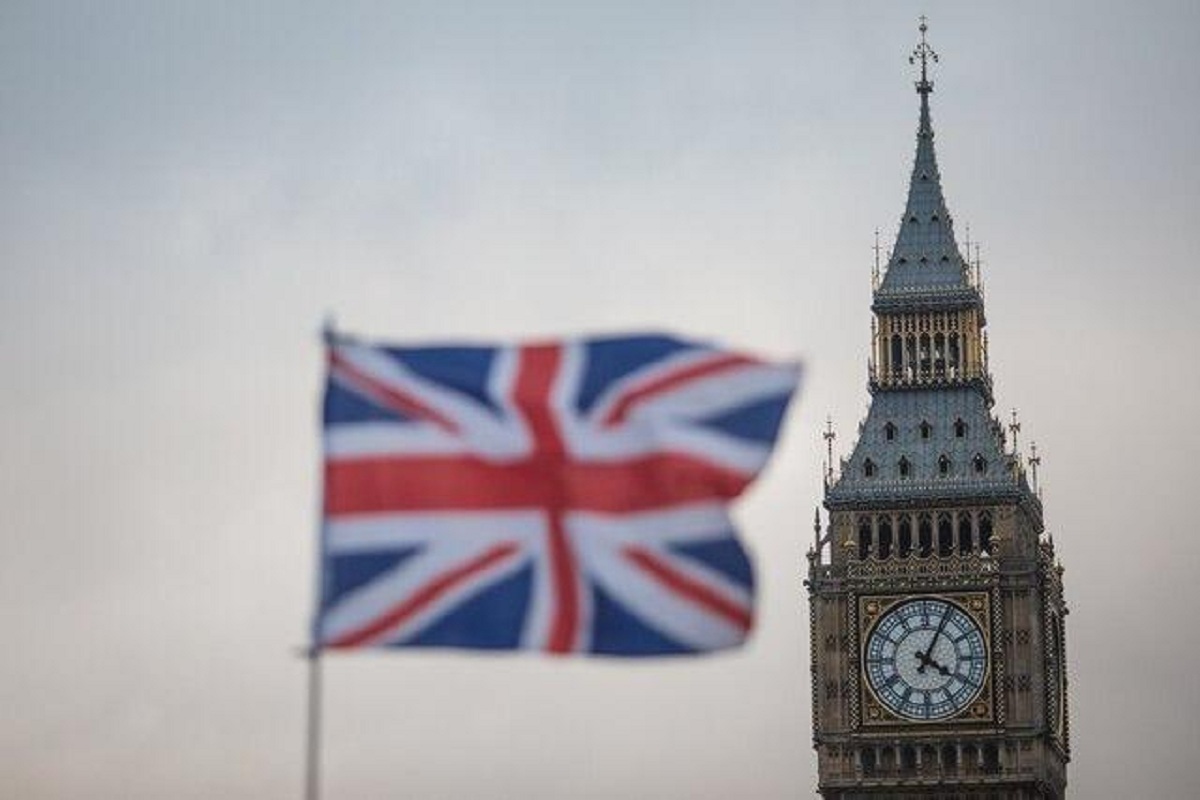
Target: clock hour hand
[[928, 661]]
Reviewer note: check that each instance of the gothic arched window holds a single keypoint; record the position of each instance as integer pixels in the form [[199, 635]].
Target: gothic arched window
[[985, 532], [905, 467], [869, 468], [905, 544], [945, 535], [965, 539], [926, 430], [885, 536], [925, 536], [960, 428], [979, 463], [944, 465], [889, 432]]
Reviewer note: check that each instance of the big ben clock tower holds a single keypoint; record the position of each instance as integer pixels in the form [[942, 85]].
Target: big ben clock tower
[[936, 603]]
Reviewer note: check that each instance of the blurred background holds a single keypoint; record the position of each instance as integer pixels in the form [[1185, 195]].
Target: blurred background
[[189, 188]]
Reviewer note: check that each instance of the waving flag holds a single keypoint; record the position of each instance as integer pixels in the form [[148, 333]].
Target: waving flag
[[564, 497]]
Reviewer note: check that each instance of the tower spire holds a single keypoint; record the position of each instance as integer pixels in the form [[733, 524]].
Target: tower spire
[[925, 258]]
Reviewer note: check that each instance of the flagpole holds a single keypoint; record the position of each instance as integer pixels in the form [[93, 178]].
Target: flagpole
[[312, 744], [312, 771]]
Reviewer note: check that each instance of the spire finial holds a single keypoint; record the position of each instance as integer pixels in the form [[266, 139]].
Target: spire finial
[[875, 270], [829, 436], [923, 53]]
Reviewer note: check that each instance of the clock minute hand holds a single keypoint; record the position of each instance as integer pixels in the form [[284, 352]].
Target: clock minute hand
[[929, 651]]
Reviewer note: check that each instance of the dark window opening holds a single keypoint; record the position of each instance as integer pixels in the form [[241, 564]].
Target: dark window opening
[[926, 430], [868, 761], [939, 355], [991, 758], [908, 758], [864, 538], [897, 354], [949, 757], [945, 536], [960, 429], [985, 532], [965, 539], [869, 468], [970, 757], [885, 538], [906, 537], [925, 536], [979, 463], [925, 355], [944, 465], [889, 432], [905, 468]]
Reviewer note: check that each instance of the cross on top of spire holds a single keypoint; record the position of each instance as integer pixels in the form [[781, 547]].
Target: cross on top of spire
[[923, 52]]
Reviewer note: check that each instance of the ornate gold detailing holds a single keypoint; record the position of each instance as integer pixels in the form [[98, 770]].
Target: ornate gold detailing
[[965, 565], [928, 348], [984, 709]]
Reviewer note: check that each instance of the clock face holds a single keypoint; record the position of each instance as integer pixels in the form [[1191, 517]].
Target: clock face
[[926, 659]]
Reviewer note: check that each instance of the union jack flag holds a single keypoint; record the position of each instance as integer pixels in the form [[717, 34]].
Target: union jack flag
[[564, 497]]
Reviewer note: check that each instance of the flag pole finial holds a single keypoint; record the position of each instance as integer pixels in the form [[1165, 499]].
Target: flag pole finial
[[329, 329]]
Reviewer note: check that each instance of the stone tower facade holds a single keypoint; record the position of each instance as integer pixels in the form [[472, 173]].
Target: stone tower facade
[[936, 601]]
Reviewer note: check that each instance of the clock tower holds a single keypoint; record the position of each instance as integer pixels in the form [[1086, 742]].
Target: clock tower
[[936, 601]]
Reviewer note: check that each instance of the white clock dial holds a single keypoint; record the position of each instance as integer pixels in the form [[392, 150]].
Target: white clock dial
[[926, 659]]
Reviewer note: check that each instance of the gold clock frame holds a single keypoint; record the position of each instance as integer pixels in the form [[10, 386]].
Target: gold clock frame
[[976, 605]]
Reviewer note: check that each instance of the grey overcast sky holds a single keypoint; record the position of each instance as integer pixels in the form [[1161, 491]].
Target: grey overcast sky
[[188, 188]]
